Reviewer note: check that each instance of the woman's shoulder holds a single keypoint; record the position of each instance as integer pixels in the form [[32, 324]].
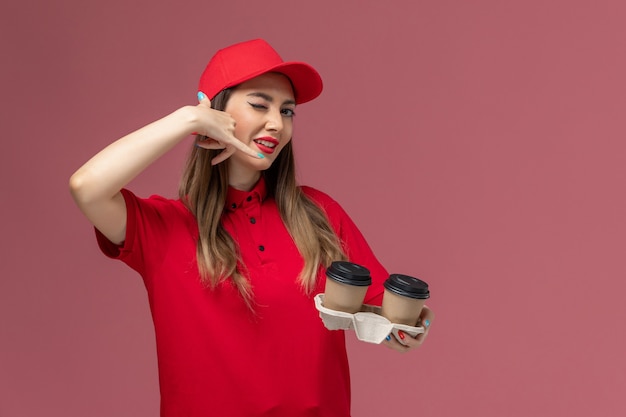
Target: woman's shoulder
[[318, 196], [322, 199]]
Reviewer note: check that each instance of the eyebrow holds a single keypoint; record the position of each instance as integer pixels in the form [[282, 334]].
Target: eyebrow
[[269, 98]]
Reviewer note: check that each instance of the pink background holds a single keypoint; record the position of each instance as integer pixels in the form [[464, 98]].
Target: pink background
[[479, 145]]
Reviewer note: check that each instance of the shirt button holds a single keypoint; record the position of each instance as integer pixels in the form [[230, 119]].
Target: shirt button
[[233, 206], [252, 220], [261, 248], [249, 198]]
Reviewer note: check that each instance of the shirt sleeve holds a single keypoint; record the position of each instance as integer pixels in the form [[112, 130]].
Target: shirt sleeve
[[354, 243], [145, 243]]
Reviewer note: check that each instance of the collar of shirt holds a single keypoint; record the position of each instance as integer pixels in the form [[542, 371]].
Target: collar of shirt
[[237, 198]]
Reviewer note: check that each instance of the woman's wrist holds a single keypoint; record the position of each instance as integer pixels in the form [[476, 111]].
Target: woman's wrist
[[188, 118]]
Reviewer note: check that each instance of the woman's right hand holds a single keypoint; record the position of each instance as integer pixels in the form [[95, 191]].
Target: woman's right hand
[[96, 185], [217, 131]]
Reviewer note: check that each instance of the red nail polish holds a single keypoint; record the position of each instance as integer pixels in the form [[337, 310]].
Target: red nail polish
[[401, 334]]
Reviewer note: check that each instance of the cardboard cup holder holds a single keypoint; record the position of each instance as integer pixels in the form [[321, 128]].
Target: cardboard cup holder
[[368, 324]]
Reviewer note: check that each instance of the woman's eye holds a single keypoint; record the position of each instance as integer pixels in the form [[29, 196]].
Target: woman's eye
[[258, 106], [288, 112]]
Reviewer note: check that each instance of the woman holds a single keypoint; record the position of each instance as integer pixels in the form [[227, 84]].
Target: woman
[[232, 266]]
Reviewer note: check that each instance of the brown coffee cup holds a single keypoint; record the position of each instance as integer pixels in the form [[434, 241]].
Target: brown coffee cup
[[346, 286], [403, 299]]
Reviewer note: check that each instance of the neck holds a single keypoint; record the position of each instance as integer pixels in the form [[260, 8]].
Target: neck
[[243, 181]]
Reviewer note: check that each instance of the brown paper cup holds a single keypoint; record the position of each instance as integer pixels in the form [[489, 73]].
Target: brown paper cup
[[343, 297], [346, 286], [401, 310], [403, 299]]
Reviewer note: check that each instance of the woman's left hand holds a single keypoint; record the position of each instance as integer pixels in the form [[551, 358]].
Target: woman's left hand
[[406, 341]]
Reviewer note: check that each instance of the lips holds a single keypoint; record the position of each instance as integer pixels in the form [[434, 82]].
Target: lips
[[266, 144]]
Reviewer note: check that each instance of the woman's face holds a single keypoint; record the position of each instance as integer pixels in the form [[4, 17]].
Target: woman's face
[[263, 109]]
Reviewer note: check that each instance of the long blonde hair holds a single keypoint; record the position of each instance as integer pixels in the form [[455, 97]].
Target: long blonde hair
[[204, 188]]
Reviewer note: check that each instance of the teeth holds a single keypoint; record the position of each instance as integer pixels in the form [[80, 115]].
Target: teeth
[[266, 143]]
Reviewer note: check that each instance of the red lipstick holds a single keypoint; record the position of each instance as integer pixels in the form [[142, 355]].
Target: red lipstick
[[266, 144]]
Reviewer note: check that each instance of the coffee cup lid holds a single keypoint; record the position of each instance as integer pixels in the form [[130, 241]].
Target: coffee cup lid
[[349, 273], [407, 286]]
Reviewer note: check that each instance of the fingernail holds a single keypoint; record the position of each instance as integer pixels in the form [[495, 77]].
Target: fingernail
[[401, 334], [426, 323], [388, 338], [261, 155], [201, 96]]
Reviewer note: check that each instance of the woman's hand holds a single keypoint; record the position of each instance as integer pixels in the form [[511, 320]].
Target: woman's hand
[[406, 342], [96, 185], [217, 131]]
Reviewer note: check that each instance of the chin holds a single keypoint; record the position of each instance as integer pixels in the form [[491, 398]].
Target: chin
[[246, 162], [260, 164]]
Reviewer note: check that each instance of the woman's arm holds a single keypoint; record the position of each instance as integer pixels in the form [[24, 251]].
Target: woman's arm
[[96, 185]]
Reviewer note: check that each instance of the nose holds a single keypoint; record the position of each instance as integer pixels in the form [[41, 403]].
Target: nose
[[274, 121]]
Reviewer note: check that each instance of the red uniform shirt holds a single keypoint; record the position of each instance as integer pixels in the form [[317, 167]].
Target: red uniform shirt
[[215, 358]]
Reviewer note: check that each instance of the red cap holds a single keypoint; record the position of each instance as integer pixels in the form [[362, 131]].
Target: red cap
[[243, 61]]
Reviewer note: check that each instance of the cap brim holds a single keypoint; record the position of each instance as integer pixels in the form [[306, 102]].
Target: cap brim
[[306, 81]]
